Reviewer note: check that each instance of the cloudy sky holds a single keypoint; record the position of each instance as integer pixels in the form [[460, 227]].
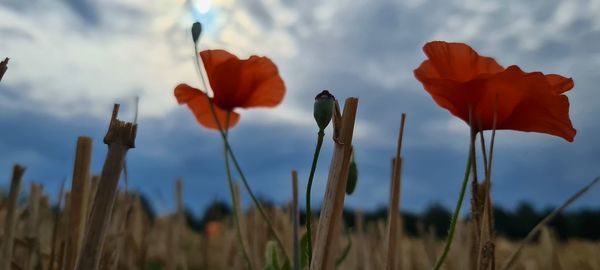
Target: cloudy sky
[[72, 59]]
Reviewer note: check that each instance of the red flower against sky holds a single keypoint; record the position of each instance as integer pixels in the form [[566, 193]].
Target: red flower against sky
[[458, 78], [253, 82]]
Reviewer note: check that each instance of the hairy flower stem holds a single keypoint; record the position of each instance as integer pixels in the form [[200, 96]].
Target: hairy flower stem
[[235, 162], [313, 167], [454, 220], [224, 134], [235, 204], [246, 185]]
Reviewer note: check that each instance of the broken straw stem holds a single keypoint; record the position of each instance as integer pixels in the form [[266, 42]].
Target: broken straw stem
[[79, 199], [394, 208], [333, 203], [11, 217], [55, 225], [33, 226], [295, 221], [119, 138]]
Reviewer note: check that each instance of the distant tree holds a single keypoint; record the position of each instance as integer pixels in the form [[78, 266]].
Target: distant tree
[[192, 221], [265, 203], [410, 221], [524, 220], [349, 216], [514, 224], [438, 217], [588, 222], [147, 206], [217, 210], [377, 214], [560, 225], [503, 222]]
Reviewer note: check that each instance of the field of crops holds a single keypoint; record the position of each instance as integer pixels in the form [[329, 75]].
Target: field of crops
[[135, 241]]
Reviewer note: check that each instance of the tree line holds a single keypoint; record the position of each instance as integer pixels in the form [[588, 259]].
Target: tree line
[[509, 223]]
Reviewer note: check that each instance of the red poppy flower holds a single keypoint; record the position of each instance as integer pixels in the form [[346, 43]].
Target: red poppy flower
[[213, 229], [253, 82], [458, 78]]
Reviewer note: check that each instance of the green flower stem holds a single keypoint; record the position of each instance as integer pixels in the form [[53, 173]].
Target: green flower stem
[[236, 210], [235, 162], [199, 69], [227, 166], [456, 211], [244, 181], [313, 167]]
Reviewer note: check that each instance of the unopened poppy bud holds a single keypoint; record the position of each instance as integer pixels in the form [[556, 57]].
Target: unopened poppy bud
[[196, 31], [323, 110], [352, 177]]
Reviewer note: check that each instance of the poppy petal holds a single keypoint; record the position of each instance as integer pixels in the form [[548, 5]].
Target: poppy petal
[[223, 70], [457, 61], [260, 84], [458, 78], [559, 83], [199, 104], [548, 114], [525, 102], [214, 58], [542, 107], [254, 82], [449, 94], [184, 93], [501, 93]]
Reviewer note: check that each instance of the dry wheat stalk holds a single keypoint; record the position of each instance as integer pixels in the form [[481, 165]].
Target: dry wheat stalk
[[394, 207], [547, 219], [80, 190], [55, 231], [120, 138], [32, 228], [333, 203], [11, 217], [295, 221]]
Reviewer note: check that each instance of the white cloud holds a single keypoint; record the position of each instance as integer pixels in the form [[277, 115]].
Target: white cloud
[[142, 48], [77, 69]]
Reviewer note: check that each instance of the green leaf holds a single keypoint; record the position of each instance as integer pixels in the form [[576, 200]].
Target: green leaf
[[271, 261], [304, 263], [345, 253]]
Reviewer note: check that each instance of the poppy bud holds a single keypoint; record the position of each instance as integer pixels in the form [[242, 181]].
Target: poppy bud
[[352, 177], [323, 110], [196, 31]]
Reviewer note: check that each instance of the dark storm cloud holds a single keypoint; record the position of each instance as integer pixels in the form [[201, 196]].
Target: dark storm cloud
[[85, 9]]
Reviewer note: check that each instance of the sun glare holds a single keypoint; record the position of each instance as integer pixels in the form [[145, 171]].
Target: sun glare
[[202, 6], [204, 11]]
